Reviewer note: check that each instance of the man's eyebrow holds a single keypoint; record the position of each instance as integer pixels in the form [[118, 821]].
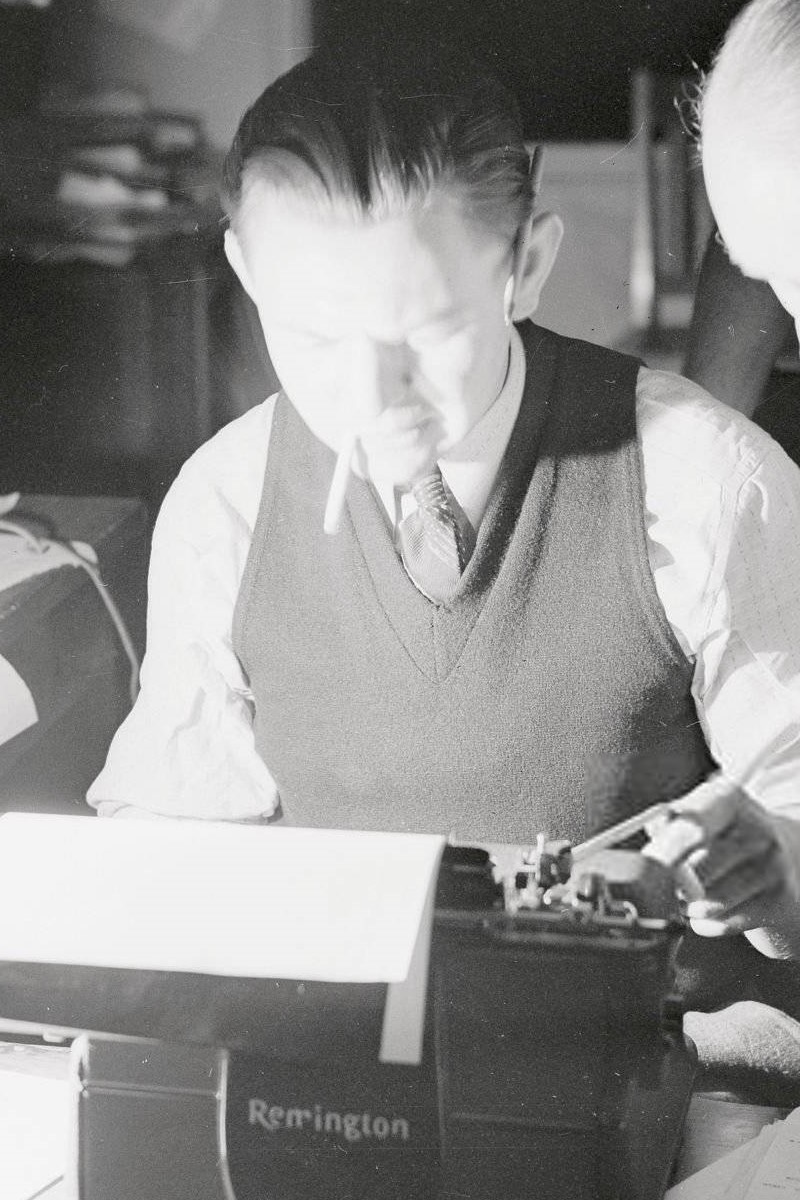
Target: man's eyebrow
[[325, 333], [329, 332], [453, 313]]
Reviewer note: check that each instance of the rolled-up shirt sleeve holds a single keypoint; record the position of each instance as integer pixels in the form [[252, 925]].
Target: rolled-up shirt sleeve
[[187, 748]]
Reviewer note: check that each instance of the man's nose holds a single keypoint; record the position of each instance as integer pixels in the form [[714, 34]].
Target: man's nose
[[380, 376]]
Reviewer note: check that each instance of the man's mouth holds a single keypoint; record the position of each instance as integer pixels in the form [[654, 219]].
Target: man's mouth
[[400, 420]]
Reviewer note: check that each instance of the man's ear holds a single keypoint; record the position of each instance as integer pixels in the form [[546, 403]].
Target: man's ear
[[234, 255], [536, 251]]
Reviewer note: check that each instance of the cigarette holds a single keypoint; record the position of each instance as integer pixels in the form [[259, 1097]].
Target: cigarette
[[338, 488], [536, 165]]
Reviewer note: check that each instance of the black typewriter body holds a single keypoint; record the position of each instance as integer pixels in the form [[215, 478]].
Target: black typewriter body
[[553, 1059]]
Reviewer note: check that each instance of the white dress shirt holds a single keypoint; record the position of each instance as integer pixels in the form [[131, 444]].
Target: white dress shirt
[[722, 509]]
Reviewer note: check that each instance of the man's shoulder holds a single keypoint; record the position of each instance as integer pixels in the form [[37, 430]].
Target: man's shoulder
[[225, 475], [236, 444], [681, 421]]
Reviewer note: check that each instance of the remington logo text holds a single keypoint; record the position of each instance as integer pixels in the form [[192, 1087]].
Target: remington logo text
[[353, 1127]]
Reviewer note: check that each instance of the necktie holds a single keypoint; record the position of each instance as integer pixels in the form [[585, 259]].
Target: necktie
[[436, 540]]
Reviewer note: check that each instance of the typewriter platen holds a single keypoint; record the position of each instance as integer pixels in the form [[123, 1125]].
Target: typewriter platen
[[553, 1061]]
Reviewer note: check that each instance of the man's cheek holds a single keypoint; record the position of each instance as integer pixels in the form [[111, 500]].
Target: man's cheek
[[323, 413], [454, 361]]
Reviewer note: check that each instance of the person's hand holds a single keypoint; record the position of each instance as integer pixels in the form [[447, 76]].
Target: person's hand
[[733, 860]]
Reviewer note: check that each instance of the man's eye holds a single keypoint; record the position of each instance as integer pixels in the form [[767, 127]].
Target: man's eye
[[317, 341]]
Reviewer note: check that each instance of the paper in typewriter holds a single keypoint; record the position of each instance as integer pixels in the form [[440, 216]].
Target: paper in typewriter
[[215, 898]]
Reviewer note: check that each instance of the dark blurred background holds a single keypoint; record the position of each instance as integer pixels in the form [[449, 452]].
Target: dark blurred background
[[569, 61], [126, 340]]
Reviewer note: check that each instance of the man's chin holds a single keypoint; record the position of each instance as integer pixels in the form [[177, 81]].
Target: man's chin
[[401, 465]]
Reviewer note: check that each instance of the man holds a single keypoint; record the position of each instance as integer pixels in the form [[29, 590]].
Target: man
[[610, 635]]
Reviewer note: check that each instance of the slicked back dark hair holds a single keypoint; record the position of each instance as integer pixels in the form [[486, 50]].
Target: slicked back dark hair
[[377, 129]]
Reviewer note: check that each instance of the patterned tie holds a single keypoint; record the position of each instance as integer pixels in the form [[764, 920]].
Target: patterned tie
[[436, 540]]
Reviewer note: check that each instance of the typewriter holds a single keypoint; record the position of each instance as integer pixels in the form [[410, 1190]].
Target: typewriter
[[553, 1061]]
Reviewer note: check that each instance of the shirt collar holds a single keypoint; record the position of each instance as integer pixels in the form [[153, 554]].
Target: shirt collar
[[488, 438], [470, 467]]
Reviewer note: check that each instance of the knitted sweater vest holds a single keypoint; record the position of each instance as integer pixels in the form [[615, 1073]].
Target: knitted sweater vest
[[549, 695]]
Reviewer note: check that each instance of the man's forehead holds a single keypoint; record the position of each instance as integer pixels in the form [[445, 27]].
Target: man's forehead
[[288, 226], [291, 216], [422, 259]]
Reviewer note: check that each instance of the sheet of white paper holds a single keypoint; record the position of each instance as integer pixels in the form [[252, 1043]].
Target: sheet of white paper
[[727, 1177], [221, 899], [713, 1181], [714, 1127], [34, 1121], [17, 707], [777, 1176], [404, 1013], [751, 1162]]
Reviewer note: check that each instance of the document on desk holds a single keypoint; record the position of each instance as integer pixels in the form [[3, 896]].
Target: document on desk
[[215, 898], [765, 1168], [35, 1128], [778, 1172], [35, 1120]]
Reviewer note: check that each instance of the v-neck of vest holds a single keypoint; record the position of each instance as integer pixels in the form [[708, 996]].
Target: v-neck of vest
[[436, 636]]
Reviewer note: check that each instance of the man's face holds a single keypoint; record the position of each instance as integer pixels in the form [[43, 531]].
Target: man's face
[[392, 330], [754, 192]]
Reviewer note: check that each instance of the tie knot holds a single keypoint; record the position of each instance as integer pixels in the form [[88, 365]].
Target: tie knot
[[436, 540], [429, 492]]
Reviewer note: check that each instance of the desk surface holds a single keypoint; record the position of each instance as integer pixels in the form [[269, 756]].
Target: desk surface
[[113, 527], [35, 1107], [59, 640]]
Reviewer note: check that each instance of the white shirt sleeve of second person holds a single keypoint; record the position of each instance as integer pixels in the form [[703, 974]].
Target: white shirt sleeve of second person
[[722, 506], [187, 748]]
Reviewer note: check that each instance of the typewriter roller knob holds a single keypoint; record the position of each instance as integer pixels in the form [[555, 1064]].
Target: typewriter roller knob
[[589, 887], [590, 894], [540, 869], [549, 862]]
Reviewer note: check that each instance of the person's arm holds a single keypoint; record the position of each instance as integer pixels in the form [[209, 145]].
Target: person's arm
[[738, 329], [723, 510], [187, 749]]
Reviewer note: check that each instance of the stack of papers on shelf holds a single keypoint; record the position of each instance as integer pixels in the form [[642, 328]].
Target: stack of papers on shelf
[[104, 176], [763, 1168]]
